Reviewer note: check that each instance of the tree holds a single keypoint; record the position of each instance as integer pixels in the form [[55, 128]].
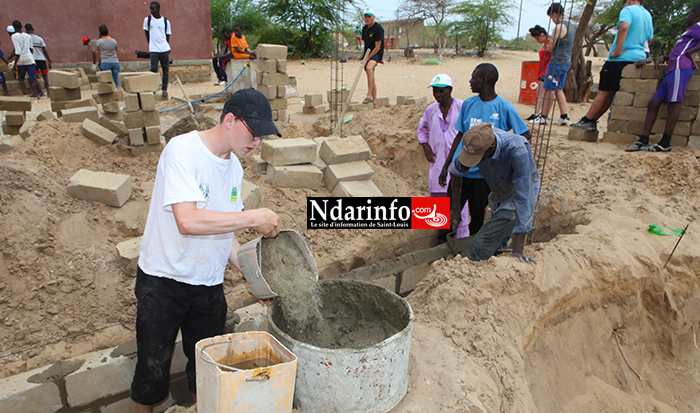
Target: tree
[[226, 13], [668, 17], [579, 80], [435, 11], [483, 21]]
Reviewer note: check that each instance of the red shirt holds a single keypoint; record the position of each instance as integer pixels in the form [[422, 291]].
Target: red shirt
[[544, 60]]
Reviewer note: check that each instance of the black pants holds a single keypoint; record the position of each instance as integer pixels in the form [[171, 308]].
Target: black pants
[[164, 59], [476, 191], [164, 307], [220, 68]]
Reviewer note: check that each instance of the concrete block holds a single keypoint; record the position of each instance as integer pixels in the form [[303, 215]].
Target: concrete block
[[631, 72], [80, 114], [106, 88], [687, 113], [617, 125], [148, 82], [315, 110], [46, 115], [108, 188], [401, 100], [270, 92], [420, 101], [639, 85], [111, 107], [18, 394], [618, 137], [274, 115], [10, 129], [582, 135], [635, 127], [113, 126], [60, 78], [97, 133], [131, 102], [313, 100], [694, 83], [319, 163], [123, 75], [152, 135], [694, 142], [624, 99], [341, 150], [682, 128], [136, 137], [691, 98], [276, 79], [259, 165], [279, 103], [678, 141], [649, 72], [128, 255], [295, 176], [9, 143], [354, 106], [13, 103], [140, 150], [282, 65], [282, 91], [26, 129], [282, 115], [147, 101], [251, 194], [338, 96], [356, 189], [141, 119], [109, 97], [100, 376], [628, 113], [267, 66], [695, 128], [15, 118], [383, 101], [258, 77], [83, 103], [641, 100], [105, 76], [271, 51], [288, 151], [350, 171]]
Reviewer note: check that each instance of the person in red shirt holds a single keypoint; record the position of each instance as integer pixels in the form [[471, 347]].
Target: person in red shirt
[[540, 34], [239, 45]]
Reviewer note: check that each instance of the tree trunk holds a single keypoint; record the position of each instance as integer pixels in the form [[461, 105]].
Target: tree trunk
[[578, 81], [456, 44]]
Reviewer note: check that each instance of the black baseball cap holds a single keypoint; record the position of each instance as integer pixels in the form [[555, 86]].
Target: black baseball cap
[[253, 107]]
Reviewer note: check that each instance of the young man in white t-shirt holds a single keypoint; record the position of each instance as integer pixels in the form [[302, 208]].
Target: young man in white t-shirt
[[189, 239], [24, 59], [41, 55], [158, 31]]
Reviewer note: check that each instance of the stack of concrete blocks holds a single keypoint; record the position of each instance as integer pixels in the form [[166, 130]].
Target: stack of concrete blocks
[[348, 174], [290, 163], [16, 124], [66, 99], [141, 115], [629, 110], [313, 104], [410, 100], [13, 85], [108, 188], [272, 78], [108, 95]]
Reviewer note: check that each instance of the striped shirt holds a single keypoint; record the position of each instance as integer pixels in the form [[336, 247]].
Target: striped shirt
[[688, 40]]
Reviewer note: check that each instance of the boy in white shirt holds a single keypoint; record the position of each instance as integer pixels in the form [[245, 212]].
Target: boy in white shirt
[[158, 31], [24, 59]]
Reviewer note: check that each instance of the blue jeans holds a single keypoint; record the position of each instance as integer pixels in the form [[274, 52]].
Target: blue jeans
[[114, 68]]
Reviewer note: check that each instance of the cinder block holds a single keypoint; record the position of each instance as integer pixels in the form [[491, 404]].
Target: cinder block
[[83, 103], [131, 102], [639, 85], [106, 88], [113, 126], [617, 125], [128, 255], [100, 376], [288, 151], [279, 103], [356, 189], [687, 113], [695, 128], [136, 137], [314, 110], [276, 79], [682, 128], [339, 96], [294, 176], [267, 66], [271, 51], [694, 83], [258, 77], [60, 78], [141, 119], [10, 129], [109, 97], [12, 103], [350, 171], [641, 100], [678, 141], [140, 150], [26, 129], [282, 65], [383, 101], [313, 100], [354, 106], [18, 394], [152, 135], [123, 75], [635, 127], [341, 150], [270, 92], [624, 99], [650, 72], [97, 133], [15, 118], [319, 163], [147, 101], [631, 72], [282, 91], [111, 107], [691, 98], [46, 115], [251, 194], [617, 137], [6, 145], [583, 135], [402, 100], [274, 115], [80, 114], [108, 188], [148, 82], [105, 76], [259, 165], [694, 142], [628, 113], [282, 115]]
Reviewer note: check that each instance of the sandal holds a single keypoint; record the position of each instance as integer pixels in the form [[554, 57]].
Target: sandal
[[367, 100], [656, 148], [637, 146]]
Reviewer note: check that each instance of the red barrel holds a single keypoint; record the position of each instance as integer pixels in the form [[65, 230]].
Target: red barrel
[[528, 83]]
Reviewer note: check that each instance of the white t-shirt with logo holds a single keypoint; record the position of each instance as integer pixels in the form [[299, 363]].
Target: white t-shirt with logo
[[37, 46], [23, 45], [189, 172], [158, 42]]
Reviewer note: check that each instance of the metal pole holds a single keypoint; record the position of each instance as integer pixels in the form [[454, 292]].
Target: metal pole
[[520, 13]]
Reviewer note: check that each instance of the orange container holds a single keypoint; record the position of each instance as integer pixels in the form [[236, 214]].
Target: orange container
[[528, 83]]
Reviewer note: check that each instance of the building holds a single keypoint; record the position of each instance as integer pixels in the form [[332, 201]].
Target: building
[[404, 33]]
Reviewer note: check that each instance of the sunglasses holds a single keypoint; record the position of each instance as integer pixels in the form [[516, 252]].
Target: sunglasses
[[255, 137]]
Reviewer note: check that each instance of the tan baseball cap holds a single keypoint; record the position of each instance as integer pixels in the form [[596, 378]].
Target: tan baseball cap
[[476, 141]]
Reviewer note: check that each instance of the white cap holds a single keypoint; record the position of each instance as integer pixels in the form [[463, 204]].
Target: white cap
[[441, 80], [10, 29], [368, 12]]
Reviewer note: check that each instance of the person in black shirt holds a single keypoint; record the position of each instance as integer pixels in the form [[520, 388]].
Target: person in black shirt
[[373, 36]]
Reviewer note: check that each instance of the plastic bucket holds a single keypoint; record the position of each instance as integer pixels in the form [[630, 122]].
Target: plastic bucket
[[263, 381], [529, 83]]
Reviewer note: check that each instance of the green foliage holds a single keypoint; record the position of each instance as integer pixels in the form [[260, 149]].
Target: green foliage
[[226, 13], [482, 21], [522, 43]]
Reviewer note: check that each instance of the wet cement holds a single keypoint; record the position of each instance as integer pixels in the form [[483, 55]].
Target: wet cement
[[329, 314]]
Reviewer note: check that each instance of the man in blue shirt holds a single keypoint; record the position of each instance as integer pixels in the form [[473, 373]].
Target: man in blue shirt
[[506, 162], [487, 107]]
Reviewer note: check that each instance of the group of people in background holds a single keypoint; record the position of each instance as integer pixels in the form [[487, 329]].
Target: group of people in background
[[236, 48], [29, 57]]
